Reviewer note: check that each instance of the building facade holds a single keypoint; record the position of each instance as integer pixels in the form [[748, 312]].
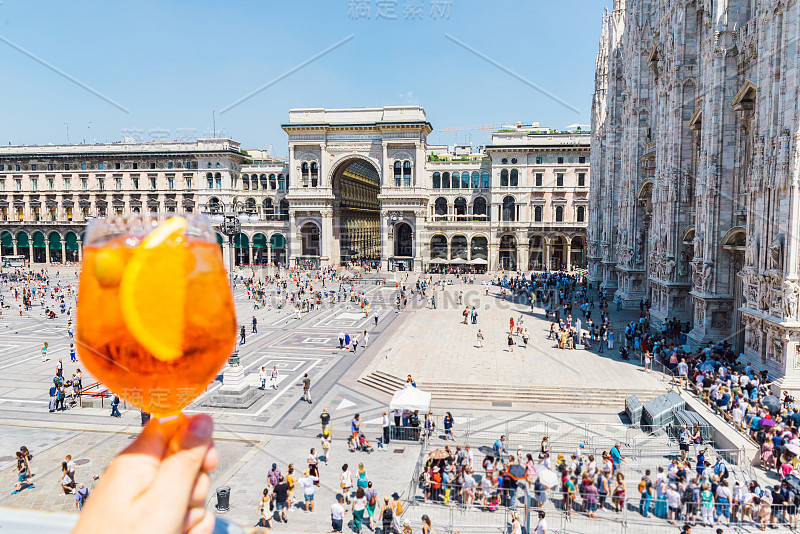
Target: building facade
[[359, 184], [695, 171]]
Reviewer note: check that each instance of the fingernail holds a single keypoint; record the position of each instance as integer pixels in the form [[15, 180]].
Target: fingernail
[[201, 426]]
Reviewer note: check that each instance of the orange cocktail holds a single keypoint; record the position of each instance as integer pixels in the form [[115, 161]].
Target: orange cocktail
[[155, 320]]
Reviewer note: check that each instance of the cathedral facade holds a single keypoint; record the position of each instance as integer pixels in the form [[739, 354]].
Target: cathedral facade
[[695, 195]]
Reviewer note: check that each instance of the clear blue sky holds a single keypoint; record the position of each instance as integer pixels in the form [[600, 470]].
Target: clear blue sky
[[170, 63]]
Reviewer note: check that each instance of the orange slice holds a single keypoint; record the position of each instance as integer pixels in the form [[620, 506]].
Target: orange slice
[[152, 292]]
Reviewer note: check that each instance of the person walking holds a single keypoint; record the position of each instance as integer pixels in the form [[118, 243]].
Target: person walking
[[376, 318], [23, 473], [280, 494], [115, 406], [346, 482], [386, 514], [337, 514], [242, 334], [273, 377], [341, 340], [80, 496], [263, 509], [325, 419], [510, 343], [358, 508], [308, 483], [44, 350], [255, 325], [306, 388], [262, 375], [480, 339]]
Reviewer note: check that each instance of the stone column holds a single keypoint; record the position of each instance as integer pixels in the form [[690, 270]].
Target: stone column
[[494, 252], [30, 249], [449, 248], [14, 242], [547, 250], [47, 250], [80, 248], [524, 257], [63, 251], [269, 251], [329, 245], [569, 254]]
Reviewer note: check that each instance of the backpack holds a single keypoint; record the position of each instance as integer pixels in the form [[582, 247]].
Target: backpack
[[387, 513], [83, 495], [642, 486], [372, 499]]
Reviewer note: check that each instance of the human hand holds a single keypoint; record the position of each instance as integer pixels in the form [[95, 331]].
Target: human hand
[[158, 484]]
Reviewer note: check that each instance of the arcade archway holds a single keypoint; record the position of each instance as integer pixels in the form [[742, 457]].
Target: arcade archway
[[356, 211]]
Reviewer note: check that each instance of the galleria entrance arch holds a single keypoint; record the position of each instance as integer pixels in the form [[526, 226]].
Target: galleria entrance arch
[[356, 225], [358, 174]]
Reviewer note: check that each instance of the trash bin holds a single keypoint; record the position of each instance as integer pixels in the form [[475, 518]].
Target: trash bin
[[145, 417], [223, 498]]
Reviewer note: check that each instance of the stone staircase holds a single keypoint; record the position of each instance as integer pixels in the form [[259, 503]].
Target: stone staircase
[[444, 391]]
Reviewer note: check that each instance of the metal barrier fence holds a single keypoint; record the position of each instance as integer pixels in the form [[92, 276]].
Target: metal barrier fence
[[623, 516]]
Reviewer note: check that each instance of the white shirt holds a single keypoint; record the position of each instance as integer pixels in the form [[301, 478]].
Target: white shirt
[[337, 512], [308, 485], [541, 527], [385, 422]]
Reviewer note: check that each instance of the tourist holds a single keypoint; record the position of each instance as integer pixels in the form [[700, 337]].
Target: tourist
[[44, 347], [386, 514], [358, 507], [280, 494], [448, 426], [372, 502], [480, 339], [264, 510], [306, 388], [262, 376], [308, 481], [385, 427], [66, 481], [346, 482], [541, 526], [114, 406], [325, 419], [22, 470], [337, 514], [273, 377], [510, 343], [81, 496]]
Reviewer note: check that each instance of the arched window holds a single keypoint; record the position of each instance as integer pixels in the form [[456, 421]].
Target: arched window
[[284, 209], [440, 206], [304, 174], [514, 178], [437, 180], [509, 209], [210, 178], [245, 182], [476, 180], [265, 182], [282, 182], [581, 214], [559, 213], [485, 180], [456, 181], [407, 173], [504, 178], [458, 247], [254, 181], [460, 206], [479, 208], [439, 247], [314, 174], [464, 180], [446, 180], [268, 209], [537, 214], [272, 182], [398, 169]]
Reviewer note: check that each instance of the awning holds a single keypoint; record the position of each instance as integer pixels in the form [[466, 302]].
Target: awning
[[278, 241], [72, 241], [38, 240], [438, 261], [479, 261], [8, 240], [22, 240], [55, 241], [459, 260], [259, 241]]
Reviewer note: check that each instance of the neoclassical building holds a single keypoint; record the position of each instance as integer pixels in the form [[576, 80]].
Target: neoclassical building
[[358, 184], [695, 170]]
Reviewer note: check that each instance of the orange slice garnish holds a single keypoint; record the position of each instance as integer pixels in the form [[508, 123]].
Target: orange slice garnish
[[152, 292]]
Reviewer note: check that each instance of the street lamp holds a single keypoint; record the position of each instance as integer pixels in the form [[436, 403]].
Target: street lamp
[[229, 224]]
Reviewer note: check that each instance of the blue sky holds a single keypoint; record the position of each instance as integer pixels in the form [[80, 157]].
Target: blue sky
[[158, 69]]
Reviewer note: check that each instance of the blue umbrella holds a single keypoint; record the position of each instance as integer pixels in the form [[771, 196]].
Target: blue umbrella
[[706, 366]]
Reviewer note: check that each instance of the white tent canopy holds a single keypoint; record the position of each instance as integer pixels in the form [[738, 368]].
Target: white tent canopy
[[410, 398]]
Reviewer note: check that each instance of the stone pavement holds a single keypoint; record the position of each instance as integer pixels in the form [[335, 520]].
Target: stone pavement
[[435, 346]]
